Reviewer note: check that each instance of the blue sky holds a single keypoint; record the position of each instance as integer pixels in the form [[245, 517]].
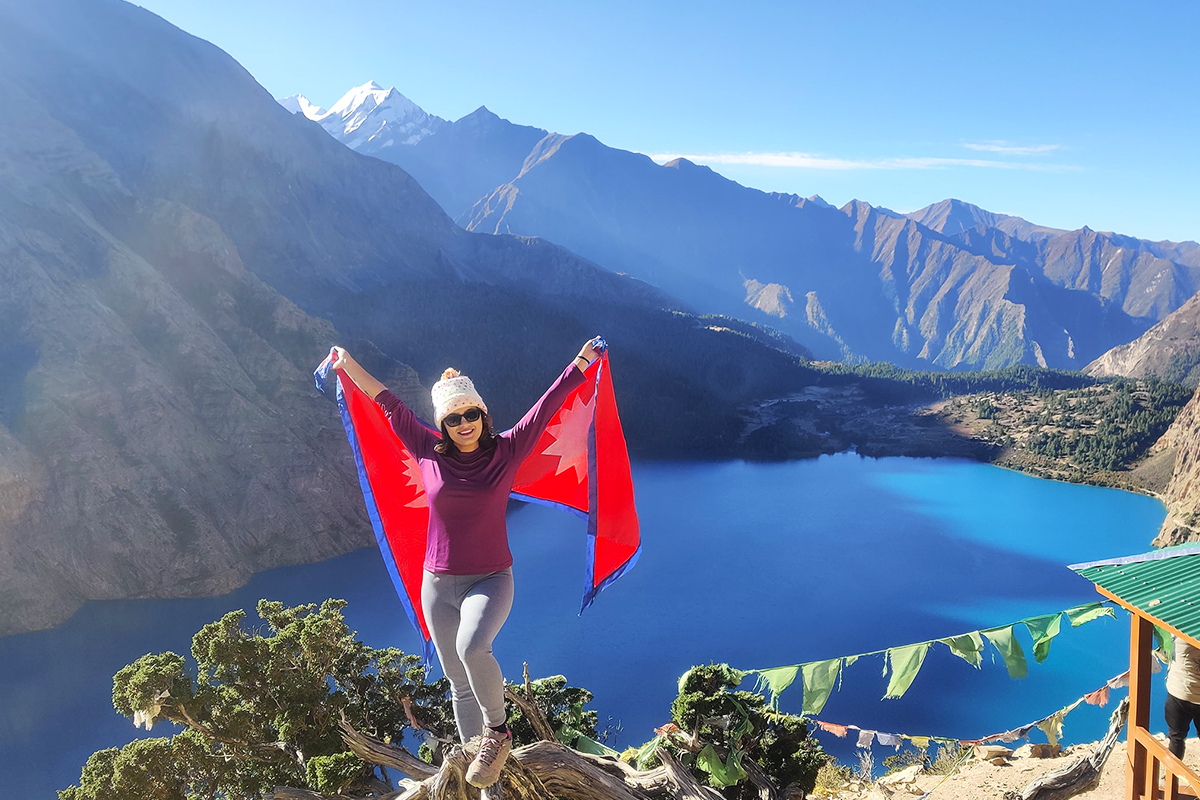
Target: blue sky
[[1065, 113]]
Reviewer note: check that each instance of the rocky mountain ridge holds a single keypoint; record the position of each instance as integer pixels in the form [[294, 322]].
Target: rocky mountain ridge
[[951, 285], [1182, 495], [1169, 350]]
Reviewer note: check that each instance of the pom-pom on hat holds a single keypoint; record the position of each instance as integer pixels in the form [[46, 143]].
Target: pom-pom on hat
[[452, 393]]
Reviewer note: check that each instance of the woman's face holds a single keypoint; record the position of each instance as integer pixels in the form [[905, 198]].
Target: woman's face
[[464, 432]]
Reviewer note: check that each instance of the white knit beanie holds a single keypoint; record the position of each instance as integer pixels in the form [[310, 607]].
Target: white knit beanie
[[453, 393]]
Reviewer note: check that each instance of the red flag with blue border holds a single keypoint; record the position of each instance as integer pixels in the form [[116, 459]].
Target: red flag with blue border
[[580, 464]]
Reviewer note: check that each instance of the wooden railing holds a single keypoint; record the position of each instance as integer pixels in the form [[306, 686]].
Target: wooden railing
[[1148, 760]]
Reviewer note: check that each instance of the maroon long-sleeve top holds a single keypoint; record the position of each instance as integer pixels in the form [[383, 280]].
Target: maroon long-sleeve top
[[468, 492]]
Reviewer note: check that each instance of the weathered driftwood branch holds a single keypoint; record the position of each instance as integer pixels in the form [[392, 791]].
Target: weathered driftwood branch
[[376, 751], [1084, 773], [540, 771], [529, 708], [567, 773], [686, 786]]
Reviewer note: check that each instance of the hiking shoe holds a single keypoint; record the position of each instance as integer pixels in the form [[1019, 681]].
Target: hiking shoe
[[493, 750]]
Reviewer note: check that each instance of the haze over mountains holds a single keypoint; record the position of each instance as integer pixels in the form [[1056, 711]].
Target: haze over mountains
[[179, 252], [951, 285]]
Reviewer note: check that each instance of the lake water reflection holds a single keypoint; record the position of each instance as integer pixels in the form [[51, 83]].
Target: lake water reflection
[[757, 565]]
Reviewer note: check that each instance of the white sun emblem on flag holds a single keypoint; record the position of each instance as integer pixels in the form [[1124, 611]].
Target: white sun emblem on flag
[[571, 438], [412, 478]]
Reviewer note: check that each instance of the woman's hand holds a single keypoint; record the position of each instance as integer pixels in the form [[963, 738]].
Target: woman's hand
[[588, 352], [352, 370], [341, 359]]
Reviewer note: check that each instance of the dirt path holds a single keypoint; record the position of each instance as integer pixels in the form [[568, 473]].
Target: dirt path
[[979, 780]]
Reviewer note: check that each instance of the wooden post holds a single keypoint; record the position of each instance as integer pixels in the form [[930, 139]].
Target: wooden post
[[1141, 642]]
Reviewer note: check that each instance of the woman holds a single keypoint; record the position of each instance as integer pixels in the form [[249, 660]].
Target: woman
[[467, 589]]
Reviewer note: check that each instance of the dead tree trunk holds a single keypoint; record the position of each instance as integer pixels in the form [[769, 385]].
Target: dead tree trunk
[[539, 771], [1084, 773]]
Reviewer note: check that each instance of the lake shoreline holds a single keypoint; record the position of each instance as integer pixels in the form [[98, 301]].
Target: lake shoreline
[[913, 440]]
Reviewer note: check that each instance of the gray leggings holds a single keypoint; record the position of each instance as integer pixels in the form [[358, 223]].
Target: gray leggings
[[465, 612]]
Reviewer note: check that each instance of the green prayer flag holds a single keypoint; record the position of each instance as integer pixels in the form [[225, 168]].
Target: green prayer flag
[[646, 755], [744, 726], [1164, 644], [1080, 615], [906, 663], [1043, 630], [1010, 650], [968, 647], [683, 679], [776, 680], [847, 661], [819, 678], [586, 744], [1052, 726], [721, 773]]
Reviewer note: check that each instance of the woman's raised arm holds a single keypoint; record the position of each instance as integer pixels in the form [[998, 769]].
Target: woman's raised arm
[[355, 372], [526, 432], [415, 436]]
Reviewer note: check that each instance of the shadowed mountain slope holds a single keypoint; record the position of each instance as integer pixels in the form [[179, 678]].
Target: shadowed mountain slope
[[859, 282], [178, 250]]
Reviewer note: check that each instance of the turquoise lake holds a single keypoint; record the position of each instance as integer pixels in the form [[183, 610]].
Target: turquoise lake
[[754, 564]]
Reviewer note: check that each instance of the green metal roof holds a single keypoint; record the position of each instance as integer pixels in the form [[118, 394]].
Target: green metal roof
[[1163, 584]]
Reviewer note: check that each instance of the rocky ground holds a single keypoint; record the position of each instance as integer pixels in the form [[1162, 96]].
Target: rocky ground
[[982, 780]]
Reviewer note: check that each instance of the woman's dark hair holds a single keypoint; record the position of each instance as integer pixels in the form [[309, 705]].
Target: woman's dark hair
[[487, 438]]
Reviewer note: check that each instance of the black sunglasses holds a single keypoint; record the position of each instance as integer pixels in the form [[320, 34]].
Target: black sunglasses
[[470, 415]]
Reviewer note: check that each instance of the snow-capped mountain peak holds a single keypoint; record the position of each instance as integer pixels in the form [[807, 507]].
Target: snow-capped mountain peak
[[299, 104], [369, 118]]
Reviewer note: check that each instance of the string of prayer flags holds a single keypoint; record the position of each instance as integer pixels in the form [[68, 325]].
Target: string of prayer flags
[[903, 663], [1051, 725]]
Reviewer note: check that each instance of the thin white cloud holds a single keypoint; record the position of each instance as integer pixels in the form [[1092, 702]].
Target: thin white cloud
[[811, 161], [1009, 149]]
